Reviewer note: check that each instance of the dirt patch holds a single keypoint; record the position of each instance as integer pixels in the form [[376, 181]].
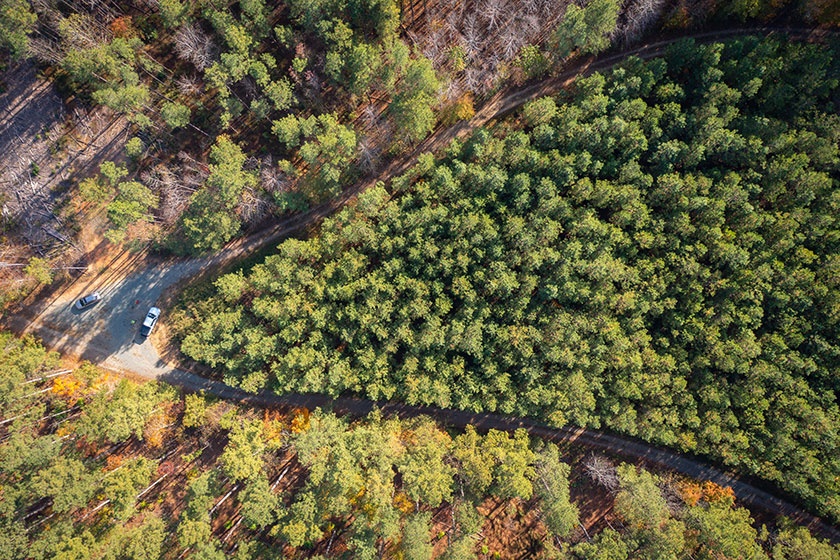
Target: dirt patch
[[512, 529], [594, 502], [46, 146], [170, 352], [104, 265]]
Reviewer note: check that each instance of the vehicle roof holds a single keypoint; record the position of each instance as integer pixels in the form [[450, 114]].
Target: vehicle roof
[[151, 316]]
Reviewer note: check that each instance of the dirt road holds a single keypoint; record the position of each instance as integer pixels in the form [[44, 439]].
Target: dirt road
[[108, 333]]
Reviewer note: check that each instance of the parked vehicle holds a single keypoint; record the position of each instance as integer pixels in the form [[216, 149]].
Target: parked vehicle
[[150, 321], [88, 300]]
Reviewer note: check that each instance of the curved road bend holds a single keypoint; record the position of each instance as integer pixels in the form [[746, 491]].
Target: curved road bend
[[107, 333], [634, 450]]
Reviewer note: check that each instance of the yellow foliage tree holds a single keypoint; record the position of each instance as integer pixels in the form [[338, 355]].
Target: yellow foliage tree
[[461, 109]]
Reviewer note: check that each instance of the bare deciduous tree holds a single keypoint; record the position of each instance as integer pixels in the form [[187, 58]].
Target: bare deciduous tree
[[431, 13], [601, 470], [45, 50], [193, 173], [192, 44], [639, 16], [473, 78], [450, 89], [272, 178], [189, 84], [193, 180], [532, 6], [529, 24], [452, 23], [491, 32], [83, 32], [433, 49], [175, 195], [511, 41], [494, 61], [493, 12], [368, 153], [552, 11], [371, 116], [252, 163], [152, 178], [253, 207], [471, 33]]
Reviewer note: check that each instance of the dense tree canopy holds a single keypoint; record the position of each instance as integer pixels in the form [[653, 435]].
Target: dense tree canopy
[[586, 29], [22, 359], [211, 219], [325, 146], [657, 255]]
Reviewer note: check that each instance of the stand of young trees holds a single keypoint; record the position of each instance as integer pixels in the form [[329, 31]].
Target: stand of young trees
[[654, 253], [191, 74], [95, 468]]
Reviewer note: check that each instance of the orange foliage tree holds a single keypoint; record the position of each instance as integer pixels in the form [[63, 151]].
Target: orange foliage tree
[[123, 27]]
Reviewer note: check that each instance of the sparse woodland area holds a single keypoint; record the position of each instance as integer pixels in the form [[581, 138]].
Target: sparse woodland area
[[96, 467], [654, 252], [299, 99]]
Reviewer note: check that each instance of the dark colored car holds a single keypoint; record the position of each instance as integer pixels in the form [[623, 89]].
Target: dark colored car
[[150, 321], [88, 300]]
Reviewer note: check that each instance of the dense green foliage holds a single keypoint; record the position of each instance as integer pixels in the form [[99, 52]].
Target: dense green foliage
[[129, 202], [21, 359], [16, 20], [658, 254], [412, 106], [327, 147], [586, 29], [109, 68], [211, 219], [49, 475]]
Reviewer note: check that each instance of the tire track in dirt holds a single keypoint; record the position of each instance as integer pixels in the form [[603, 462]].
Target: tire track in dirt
[[635, 450]]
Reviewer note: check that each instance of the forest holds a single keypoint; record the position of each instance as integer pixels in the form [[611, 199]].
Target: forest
[[655, 252], [94, 466], [238, 112], [181, 125]]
